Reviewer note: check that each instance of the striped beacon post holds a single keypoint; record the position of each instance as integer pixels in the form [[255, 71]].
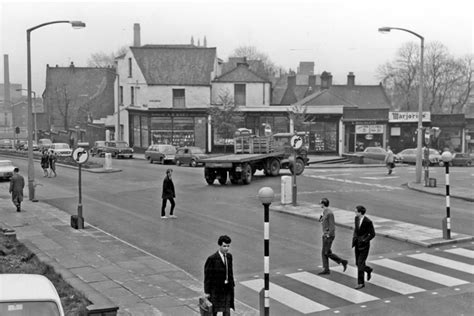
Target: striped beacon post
[[266, 196], [447, 157]]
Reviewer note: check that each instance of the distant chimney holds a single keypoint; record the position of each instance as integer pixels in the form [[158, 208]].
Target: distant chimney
[[6, 80], [199, 42], [72, 64], [326, 80], [351, 79], [136, 35], [291, 81], [312, 80], [205, 42], [192, 40]]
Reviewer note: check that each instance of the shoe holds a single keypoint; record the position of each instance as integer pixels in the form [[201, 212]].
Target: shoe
[[359, 286], [390, 172], [369, 274], [324, 272], [344, 265], [164, 217], [18, 209], [173, 216]]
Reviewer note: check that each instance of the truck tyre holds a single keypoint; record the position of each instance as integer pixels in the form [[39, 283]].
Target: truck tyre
[[274, 167], [193, 163], [178, 163], [246, 174], [209, 175], [299, 166], [234, 178], [222, 177]]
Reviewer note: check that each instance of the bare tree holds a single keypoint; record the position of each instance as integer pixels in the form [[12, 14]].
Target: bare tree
[[102, 59], [252, 53], [297, 113]]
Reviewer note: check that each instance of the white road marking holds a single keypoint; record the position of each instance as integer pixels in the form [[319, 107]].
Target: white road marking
[[334, 288], [462, 252], [419, 272], [380, 178], [356, 182], [287, 297], [385, 282], [448, 263]]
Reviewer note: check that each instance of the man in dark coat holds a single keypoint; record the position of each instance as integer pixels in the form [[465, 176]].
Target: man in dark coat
[[364, 232], [17, 183], [168, 194], [219, 278]]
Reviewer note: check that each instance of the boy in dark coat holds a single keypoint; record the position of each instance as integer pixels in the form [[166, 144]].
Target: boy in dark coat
[[168, 194], [17, 183], [364, 232]]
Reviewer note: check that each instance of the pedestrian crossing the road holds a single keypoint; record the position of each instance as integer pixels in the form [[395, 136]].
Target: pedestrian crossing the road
[[306, 293]]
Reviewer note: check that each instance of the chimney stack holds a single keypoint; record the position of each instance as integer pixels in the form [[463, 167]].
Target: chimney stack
[[291, 81], [326, 80], [351, 79], [136, 35]]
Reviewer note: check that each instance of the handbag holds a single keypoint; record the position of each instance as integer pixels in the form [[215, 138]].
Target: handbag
[[205, 306]]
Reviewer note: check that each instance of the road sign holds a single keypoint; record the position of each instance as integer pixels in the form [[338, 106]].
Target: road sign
[[80, 155], [296, 142]]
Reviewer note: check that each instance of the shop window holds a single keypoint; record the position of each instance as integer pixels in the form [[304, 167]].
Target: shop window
[[161, 129], [240, 94], [179, 98]]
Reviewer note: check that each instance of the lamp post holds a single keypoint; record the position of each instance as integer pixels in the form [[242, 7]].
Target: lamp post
[[387, 29], [447, 157], [31, 170], [34, 114], [266, 196]]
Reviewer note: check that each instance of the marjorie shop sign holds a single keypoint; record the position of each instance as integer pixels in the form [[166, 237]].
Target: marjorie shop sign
[[405, 117]]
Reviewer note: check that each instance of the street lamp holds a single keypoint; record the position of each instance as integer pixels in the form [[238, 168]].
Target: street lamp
[[447, 157], [31, 170], [34, 114], [266, 196], [387, 29]]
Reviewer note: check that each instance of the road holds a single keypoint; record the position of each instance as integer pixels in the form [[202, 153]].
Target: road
[[126, 204]]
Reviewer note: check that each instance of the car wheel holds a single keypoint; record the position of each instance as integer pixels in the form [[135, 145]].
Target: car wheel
[[178, 163], [193, 163], [468, 164]]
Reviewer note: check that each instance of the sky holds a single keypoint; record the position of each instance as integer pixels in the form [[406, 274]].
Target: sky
[[340, 36]]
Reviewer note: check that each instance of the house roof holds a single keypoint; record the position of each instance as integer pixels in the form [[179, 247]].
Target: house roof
[[175, 64], [241, 73]]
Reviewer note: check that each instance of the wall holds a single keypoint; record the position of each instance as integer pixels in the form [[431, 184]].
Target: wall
[[257, 94]]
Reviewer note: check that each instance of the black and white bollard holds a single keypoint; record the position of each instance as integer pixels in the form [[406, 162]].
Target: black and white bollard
[[266, 196], [447, 157]]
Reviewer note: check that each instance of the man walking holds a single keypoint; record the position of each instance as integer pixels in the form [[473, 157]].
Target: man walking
[[168, 194], [17, 183], [329, 233], [364, 232], [219, 278], [389, 160]]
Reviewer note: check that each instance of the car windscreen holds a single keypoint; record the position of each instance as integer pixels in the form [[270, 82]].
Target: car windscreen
[[5, 163], [29, 309], [167, 149], [121, 145], [197, 151], [61, 146]]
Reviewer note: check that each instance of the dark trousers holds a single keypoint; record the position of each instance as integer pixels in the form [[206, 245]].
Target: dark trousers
[[163, 205], [361, 256], [327, 254]]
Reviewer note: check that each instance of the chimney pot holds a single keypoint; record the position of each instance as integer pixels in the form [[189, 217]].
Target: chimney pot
[[136, 35], [351, 79]]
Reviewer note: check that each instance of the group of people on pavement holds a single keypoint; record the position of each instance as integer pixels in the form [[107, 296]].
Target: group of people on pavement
[[48, 163]]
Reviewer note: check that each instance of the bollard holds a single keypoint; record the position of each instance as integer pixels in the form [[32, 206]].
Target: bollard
[[108, 161], [286, 190]]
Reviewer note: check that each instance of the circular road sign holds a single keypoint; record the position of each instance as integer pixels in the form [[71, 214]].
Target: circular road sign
[[296, 142], [80, 155]]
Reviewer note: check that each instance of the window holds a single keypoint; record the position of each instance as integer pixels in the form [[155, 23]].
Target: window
[[132, 95], [129, 67], [178, 98], [239, 94]]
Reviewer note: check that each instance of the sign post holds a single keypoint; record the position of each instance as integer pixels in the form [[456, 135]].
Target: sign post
[[80, 156], [296, 143]]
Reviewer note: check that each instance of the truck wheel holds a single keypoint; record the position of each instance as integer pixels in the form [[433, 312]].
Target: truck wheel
[[299, 166], [178, 163], [274, 167], [209, 175], [246, 174], [234, 178], [223, 177], [193, 163]]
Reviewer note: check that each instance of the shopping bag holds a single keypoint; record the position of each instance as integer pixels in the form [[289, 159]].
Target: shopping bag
[[205, 306]]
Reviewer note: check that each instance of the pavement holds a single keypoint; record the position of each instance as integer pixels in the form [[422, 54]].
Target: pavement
[[109, 270]]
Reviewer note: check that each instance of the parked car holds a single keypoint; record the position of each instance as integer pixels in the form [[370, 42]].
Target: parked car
[[460, 160], [118, 149], [191, 156], [98, 148], [161, 153], [28, 294], [375, 153], [61, 149], [25, 146], [409, 156], [6, 143], [44, 144], [6, 170]]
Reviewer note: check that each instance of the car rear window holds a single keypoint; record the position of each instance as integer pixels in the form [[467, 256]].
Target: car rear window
[[29, 309]]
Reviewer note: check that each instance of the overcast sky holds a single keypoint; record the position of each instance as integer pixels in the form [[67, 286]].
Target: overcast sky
[[338, 35]]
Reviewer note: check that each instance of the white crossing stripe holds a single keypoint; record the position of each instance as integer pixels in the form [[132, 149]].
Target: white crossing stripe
[[287, 297], [461, 252], [337, 289], [419, 272], [448, 263], [382, 281]]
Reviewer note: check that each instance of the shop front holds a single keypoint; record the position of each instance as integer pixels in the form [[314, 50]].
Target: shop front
[[364, 128], [452, 132], [323, 130], [403, 127]]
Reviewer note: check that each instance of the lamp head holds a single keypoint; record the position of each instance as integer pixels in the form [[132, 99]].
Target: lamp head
[[447, 156], [266, 195], [384, 29], [78, 24]]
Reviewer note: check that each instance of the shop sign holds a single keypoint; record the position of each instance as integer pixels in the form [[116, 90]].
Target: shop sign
[[404, 117], [369, 136], [369, 129]]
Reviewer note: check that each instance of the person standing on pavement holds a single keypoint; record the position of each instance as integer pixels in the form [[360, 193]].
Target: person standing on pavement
[[168, 193], [45, 163], [219, 278], [389, 160], [52, 163], [364, 232], [17, 183], [329, 233]]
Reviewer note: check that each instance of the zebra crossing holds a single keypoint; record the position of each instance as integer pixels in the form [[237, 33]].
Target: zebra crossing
[[305, 292]]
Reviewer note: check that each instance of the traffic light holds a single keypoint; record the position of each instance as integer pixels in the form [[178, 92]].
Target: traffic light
[[17, 130]]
